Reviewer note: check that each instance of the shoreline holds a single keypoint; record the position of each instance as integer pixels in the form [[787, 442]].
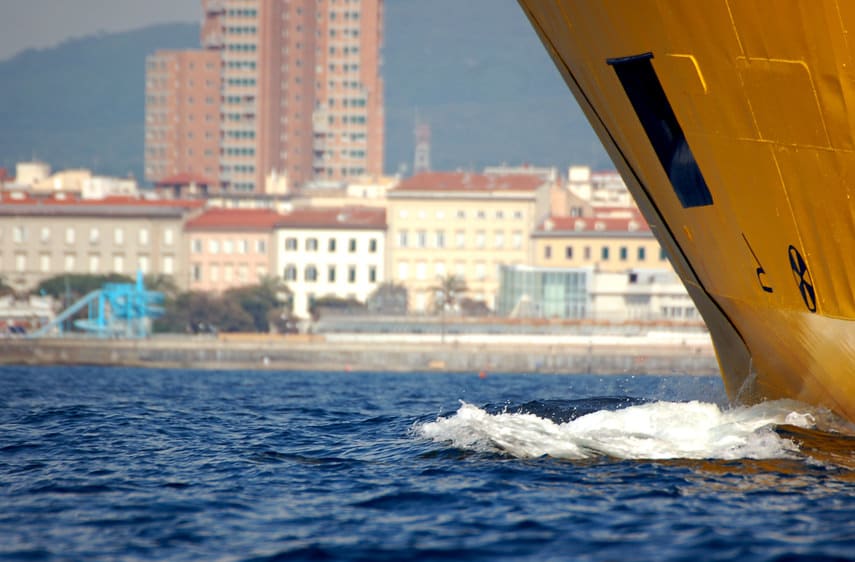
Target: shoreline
[[602, 356]]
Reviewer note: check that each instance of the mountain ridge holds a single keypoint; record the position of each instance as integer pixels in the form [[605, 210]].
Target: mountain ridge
[[475, 71]]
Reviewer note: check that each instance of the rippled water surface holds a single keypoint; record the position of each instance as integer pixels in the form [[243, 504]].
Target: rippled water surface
[[136, 464]]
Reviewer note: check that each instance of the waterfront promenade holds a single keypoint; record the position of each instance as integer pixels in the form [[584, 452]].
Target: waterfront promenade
[[654, 353]]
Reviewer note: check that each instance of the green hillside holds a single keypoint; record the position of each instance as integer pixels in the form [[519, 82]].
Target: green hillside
[[474, 70]]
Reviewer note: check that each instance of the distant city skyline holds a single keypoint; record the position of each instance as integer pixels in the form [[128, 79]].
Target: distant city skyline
[[29, 24]]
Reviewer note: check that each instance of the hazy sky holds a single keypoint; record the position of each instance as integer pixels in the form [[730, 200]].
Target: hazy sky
[[42, 23]]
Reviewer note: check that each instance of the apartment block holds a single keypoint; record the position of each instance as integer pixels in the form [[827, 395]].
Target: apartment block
[[462, 224], [603, 242], [45, 237], [182, 114], [302, 96], [331, 252], [230, 248]]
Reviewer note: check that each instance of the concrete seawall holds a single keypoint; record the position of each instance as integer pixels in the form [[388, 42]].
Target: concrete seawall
[[317, 353]]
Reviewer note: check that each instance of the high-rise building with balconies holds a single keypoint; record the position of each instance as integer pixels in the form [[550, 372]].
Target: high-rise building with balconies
[[182, 113], [300, 92]]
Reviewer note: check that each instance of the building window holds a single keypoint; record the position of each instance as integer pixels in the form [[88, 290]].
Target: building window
[[143, 236], [331, 274], [480, 239], [69, 235], [547, 252], [168, 237], [642, 253], [94, 263], [119, 236], [21, 262], [604, 253], [460, 239], [215, 272], [197, 272], [372, 274], [331, 245], [421, 270], [143, 264], [516, 240], [290, 273], [480, 271], [213, 246], [439, 269], [421, 239], [440, 238], [261, 246], [624, 253], [290, 244], [372, 245], [351, 274], [351, 245], [44, 263], [403, 270], [45, 234], [311, 274], [197, 246], [69, 263], [587, 252], [499, 238], [311, 244], [568, 252], [243, 246], [94, 235], [168, 265], [402, 239], [19, 234], [228, 246], [662, 255]]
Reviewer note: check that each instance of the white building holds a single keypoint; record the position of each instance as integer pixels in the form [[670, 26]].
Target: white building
[[331, 252]]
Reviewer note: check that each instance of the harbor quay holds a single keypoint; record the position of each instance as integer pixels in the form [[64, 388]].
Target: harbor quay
[[689, 354]]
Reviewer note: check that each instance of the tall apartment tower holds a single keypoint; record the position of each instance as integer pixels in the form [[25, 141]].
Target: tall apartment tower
[[301, 90], [182, 114]]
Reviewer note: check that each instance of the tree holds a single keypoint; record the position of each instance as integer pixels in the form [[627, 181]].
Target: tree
[[198, 312], [5, 288], [76, 285], [447, 292], [388, 298], [259, 300]]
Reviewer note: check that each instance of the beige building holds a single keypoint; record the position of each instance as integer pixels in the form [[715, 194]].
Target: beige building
[[230, 248], [606, 243], [462, 224], [42, 238]]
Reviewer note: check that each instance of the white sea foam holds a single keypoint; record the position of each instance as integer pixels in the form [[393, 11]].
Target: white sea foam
[[658, 430]]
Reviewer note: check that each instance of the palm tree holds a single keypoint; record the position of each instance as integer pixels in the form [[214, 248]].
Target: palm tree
[[447, 293]]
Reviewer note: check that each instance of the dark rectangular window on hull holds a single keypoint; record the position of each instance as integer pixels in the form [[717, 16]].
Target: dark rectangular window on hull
[[642, 87]]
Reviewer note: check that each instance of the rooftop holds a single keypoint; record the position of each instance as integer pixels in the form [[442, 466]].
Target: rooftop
[[235, 219], [467, 182], [365, 218]]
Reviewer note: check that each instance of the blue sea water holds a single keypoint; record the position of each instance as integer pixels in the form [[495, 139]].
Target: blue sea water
[[138, 464]]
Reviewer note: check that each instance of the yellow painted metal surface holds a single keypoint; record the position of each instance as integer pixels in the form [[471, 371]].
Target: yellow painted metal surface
[[765, 95]]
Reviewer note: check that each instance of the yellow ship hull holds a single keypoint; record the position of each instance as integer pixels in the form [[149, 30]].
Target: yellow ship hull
[[733, 124]]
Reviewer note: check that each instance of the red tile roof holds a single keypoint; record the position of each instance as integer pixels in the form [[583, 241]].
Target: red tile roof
[[235, 219], [12, 204], [363, 218], [185, 178], [564, 225], [464, 181]]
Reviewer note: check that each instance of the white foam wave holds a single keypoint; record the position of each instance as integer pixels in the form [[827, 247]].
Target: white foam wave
[[659, 430]]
